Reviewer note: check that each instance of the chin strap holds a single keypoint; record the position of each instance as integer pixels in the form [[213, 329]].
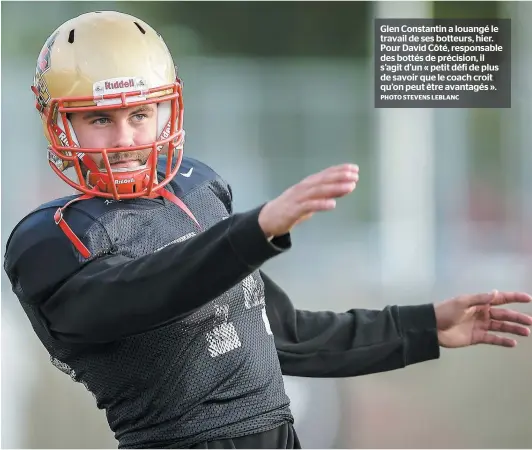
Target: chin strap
[[177, 201], [60, 221], [81, 248]]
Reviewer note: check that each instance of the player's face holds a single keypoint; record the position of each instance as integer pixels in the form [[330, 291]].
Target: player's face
[[117, 128]]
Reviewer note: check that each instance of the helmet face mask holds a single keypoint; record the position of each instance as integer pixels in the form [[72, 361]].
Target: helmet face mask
[[103, 62]]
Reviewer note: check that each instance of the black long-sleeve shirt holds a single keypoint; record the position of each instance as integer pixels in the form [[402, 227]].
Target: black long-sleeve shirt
[[178, 334]]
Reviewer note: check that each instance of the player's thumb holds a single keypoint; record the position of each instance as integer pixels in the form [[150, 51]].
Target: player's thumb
[[483, 299]]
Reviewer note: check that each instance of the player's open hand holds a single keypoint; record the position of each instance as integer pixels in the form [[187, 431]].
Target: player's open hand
[[315, 193], [471, 319]]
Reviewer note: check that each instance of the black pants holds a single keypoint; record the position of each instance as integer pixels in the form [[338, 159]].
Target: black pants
[[281, 437]]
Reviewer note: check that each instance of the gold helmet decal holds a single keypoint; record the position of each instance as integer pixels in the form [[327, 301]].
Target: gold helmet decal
[[43, 65]]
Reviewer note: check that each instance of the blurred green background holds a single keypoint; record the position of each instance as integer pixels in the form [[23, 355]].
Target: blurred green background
[[273, 92]]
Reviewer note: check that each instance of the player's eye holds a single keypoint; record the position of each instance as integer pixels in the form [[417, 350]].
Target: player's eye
[[100, 121], [140, 117]]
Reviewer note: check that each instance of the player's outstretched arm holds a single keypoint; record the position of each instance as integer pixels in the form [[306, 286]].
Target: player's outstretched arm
[[326, 344], [115, 296], [360, 341]]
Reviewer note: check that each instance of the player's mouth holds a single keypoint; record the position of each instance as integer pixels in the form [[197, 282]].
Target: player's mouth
[[126, 164]]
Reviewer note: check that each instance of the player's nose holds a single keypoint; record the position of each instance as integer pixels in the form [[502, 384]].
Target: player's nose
[[123, 136]]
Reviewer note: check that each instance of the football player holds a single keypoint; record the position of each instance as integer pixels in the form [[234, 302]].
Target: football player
[[147, 288]]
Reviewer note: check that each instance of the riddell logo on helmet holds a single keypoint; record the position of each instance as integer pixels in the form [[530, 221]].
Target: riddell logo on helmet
[[119, 84], [129, 180], [113, 86], [64, 140], [166, 132]]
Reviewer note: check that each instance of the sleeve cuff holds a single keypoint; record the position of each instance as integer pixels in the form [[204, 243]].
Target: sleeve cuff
[[249, 241], [419, 328]]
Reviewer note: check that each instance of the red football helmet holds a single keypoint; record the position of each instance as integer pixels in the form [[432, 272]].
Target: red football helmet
[[102, 61]]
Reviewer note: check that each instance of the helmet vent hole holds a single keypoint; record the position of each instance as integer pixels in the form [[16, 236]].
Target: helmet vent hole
[[71, 37], [140, 28]]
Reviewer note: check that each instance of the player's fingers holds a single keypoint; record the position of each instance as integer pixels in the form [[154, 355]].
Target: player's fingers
[[511, 328], [493, 339], [344, 172], [502, 298], [480, 299], [507, 315], [340, 168], [312, 206], [328, 190], [496, 298], [340, 173]]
